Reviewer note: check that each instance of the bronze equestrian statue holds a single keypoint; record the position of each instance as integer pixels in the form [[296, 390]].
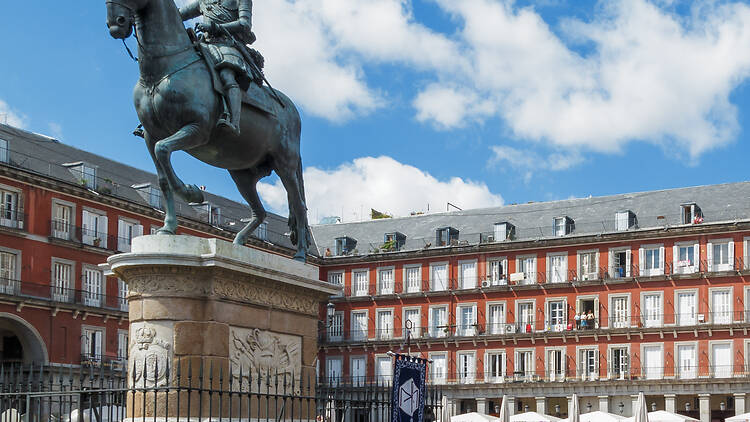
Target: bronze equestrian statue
[[183, 94]]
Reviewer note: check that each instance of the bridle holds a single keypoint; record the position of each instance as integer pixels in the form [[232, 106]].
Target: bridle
[[143, 49]]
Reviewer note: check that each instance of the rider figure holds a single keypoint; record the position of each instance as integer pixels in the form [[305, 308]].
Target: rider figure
[[219, 18]]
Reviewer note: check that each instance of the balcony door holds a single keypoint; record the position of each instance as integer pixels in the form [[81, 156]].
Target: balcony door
[[652, 314], [687, 365], [686, 308], [555, 365], [358, 370], [92, 287], [721, 355], [653, 362], [62, 221], [496, 321], [721, 307], [620, 312]]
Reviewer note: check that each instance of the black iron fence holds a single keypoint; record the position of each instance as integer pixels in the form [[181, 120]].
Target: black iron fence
[[192, 390]]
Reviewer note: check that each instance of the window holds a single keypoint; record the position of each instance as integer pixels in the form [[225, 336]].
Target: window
[[494, 366], [466, 316], [122, 294], [393, 241], [562, 226], [384, 324], [687, 367], [619, 263], [383, 369], [122, 345], [62, 220], [91, 347], [336, 278], [61, 276], [503, 232], [126, 231], [345, 245], [588, 364], [214, 216], [651, 260], [587, 309], [11, 213], [4, 151], [685, 256], [261, 232], [721, 306], [624, 220], [8, 272], [85, 174], [496, 318], [720, 255], [438, 321], [412, 315], [385, 281], [524, 364], [336, 327], [94, 230], [497, 270], [557, 315], [413, 278], [687, 307], [361, 281], [555, 365], [721, 360], [334, 370], [619, 312], [525, 317], [588, 263], [619, 360], [358, 370], [438, 369], [150, 194], [446, 236], [359, 325], [466, 366], [652, 359], [92, 287], [557, 268], [652, 309], [527, 266], [438, 277], [691, 214], [468, 274]]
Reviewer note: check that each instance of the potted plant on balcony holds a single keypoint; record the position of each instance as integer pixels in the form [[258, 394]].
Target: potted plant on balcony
[[97, 241]]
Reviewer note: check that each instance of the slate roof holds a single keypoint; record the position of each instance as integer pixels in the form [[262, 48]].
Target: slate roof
[[46, 156], [594, 215]]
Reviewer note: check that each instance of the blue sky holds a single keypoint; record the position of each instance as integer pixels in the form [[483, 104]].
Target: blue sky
[[414, 103]]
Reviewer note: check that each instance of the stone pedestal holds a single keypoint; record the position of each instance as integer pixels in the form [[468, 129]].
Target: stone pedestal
[[205, 313]]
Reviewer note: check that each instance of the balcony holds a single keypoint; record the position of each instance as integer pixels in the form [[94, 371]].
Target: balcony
[[79, 236], [24, 290], [109, 362]]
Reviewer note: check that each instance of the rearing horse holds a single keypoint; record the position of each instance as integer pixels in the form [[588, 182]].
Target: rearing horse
[[178, 107]]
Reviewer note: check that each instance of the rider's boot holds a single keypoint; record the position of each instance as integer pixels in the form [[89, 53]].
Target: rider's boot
[[234, 98]]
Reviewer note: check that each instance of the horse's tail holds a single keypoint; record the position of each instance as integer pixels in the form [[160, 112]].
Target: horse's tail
[[292, 220]]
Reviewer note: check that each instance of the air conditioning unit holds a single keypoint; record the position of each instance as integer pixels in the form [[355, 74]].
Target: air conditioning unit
[[485, 283], [701, 318], [510, 329], [516, 277]]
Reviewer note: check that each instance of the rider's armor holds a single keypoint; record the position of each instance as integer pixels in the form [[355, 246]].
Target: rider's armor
[[229, 19]]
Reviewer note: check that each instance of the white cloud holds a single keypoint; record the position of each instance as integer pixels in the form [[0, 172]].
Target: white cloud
[[381, 183], [10, 116], [55, 130], [528, 161], [449, 107]]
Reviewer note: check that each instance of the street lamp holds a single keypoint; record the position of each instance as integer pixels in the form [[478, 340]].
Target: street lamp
[[497, 409], [722, 406], [588, 407], [653, 407], [557, 410], [525, 407], [330, 312], [687, 406], [621, 406]]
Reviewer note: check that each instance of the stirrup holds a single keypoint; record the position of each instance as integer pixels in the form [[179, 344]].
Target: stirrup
[[227, 125]]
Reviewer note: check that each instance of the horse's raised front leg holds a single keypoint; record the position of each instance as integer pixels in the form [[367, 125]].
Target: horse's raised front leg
[[187, 137], [170, 217], [246, 181]]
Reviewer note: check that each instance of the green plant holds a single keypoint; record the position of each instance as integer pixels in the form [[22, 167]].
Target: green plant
[[388, 246]]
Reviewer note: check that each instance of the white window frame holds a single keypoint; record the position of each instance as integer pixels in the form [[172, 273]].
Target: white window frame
[[468, 284], [490, 377], [659, 321], [407, 287], [582, 367], [678, 312], [618, 221], [563, 277], [644, 367], [643, 252], [444, 376], [89, 235], [438, 332], [4, 151], [122, 294], [333, 378], [500, 232], [332, 276], [579, 309], [383, 289], [383, 379], [471, 376], [357, 380], [611, 364], [471, 328], [98, 354], [552, 374], [360, 335], [556, 231], [447, 276], [10, 282], [495, 328], [693, 372], [728, 317], [356, 285], [93, 298], [14, 218], [529, 276], [416, 330], [123, 340], [334, 330], [628, 262], [522, 325], [123, 242], [530, 373], [56, 291], [714, 267], [579, 265], [60, 229], [548, 326], [611, 323], [501, 279], [725, 371], [384, 333], [745, 254], [681, 267]]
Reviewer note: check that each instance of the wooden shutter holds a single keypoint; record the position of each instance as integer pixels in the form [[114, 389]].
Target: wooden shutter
[[661, 259], [731, 254], [710, 256], [641, 259]]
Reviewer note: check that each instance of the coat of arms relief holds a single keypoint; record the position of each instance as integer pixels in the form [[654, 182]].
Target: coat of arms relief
[[264, 360]]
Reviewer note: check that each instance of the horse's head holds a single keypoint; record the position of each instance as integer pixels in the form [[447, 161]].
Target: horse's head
[[121, 15]]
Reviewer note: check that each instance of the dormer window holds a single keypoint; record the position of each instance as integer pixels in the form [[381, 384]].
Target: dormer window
[[85, 174], [262, 231], [691, 213], [446, 236], [150, 194], [345, 245], [393, 241], [4, 152], [563, 226], [215, 216], [624, 220], [503, 231]]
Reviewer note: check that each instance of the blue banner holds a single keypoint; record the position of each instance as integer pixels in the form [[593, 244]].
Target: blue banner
[[408, 389]]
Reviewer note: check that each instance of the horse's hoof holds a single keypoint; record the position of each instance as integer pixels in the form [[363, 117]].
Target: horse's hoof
[[301, 257], [163, 231], [193, 194], [240, 241]]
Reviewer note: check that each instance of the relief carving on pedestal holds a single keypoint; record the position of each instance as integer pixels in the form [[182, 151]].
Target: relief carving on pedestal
[[264, 360], [149, 358]]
